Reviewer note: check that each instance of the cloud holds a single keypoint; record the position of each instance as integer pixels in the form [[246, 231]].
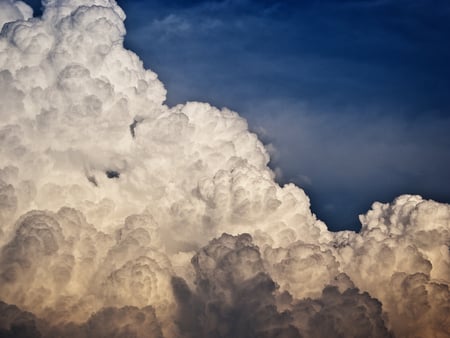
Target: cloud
[[14, 10], [329, 69], [109, 322], [366, 163], [122, 216], [235, 297]]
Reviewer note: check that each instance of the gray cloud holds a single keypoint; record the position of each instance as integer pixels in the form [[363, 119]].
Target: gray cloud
[[235, 297]]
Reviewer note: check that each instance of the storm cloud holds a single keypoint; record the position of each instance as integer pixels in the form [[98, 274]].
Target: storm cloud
[[122, 216]]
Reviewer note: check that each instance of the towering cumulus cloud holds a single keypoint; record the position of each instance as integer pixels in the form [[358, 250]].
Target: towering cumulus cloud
[[123, 217]]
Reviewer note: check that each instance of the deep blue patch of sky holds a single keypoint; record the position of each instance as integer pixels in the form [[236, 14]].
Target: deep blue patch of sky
[[354, 95]]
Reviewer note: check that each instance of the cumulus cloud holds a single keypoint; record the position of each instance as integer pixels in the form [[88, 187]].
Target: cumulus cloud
[[121, 216], [235, 297]]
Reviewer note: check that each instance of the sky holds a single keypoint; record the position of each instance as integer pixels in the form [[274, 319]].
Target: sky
[[351, 97]]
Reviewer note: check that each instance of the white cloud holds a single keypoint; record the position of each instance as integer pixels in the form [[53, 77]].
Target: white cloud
[[106, 194]]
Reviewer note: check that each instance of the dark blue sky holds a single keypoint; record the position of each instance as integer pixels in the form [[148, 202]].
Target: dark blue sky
[[354, 95]]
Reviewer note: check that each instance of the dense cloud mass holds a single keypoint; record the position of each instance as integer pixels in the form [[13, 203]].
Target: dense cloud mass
[[123, 217]]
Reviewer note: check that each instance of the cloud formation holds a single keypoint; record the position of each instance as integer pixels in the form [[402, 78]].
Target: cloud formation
[[357, 90], [121, 216]]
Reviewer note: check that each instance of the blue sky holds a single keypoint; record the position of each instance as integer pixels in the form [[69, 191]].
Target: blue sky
[[352, 95]]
